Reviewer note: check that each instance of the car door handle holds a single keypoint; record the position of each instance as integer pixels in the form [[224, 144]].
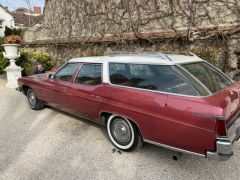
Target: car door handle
[[95, 96], [98, 97], [65, 90]]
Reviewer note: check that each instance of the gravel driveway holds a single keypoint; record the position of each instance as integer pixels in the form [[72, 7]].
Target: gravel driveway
[[50, 144]]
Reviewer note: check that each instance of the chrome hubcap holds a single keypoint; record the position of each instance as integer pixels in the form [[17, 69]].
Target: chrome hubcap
[[121, 131], [32, 98]]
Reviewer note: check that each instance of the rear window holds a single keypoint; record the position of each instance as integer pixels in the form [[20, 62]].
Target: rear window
[[171, 79], [209, 76]]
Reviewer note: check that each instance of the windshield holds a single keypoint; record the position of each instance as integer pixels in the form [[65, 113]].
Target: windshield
[[209, 76]]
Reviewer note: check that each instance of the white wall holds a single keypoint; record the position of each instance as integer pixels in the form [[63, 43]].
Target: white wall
[[7, 20]]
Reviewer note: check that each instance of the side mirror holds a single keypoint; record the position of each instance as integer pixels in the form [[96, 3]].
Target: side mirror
[[50, 76]]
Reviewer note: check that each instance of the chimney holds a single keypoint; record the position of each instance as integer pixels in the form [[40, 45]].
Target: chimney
[[37, 10]]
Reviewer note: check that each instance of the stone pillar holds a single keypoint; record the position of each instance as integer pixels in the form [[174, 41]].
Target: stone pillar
[[13, 73]]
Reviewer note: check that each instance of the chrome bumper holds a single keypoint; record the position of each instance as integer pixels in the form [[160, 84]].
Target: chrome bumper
[[223, 151]]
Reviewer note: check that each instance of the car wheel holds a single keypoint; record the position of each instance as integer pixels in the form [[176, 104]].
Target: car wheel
[[123, 134], [33, 101]]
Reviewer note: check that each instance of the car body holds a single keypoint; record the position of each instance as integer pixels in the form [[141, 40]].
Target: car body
[[180, 102]]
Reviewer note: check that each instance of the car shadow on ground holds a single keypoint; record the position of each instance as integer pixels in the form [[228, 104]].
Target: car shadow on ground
[[171, 155]]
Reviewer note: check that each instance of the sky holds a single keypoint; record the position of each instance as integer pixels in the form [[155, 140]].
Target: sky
[[13, 4]]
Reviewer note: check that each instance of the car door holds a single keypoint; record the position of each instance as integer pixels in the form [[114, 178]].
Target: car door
[[132, 93], [87, 91], [57, 88]]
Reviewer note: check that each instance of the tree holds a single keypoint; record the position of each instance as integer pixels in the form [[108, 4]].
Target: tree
[[8, 31]]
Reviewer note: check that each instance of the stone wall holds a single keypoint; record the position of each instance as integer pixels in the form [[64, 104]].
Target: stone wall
[[89, 18], [89, 27]]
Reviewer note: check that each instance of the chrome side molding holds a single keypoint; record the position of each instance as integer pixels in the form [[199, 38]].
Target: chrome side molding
[[173, 148]]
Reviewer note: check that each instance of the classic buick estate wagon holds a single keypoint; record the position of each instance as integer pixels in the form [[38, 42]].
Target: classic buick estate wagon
[[179, 102]]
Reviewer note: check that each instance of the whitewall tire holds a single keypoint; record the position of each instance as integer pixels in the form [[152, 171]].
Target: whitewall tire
[[122, 133]]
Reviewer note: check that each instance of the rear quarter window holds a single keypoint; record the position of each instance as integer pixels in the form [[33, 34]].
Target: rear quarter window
[[210, 77]]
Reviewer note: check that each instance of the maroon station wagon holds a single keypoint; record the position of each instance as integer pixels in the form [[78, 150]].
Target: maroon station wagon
[[179, 102]]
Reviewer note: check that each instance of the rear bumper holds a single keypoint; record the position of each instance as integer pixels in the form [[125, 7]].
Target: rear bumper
[[223, 151], [224, 146]]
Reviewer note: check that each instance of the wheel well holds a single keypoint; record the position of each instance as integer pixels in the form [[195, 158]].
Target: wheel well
[[105, 115], [25, 89]]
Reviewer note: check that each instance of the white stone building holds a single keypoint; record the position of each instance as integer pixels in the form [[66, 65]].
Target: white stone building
[[6, 19], [20, 18]]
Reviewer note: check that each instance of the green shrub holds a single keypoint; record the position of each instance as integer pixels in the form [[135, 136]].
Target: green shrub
[[210, 54], [1, 42], [3, 63], [27, 61], [29, 58], [18, 32], [8, 31]]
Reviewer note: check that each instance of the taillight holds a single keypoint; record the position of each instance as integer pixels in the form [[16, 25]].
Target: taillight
[[221, 128]]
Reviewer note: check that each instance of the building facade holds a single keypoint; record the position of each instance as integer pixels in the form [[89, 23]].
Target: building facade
[[20, 18], [6, 19], [37, 11]]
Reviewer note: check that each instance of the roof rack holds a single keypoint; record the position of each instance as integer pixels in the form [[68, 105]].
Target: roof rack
[[162, 55], [109, 52], [179, 53], [149, 53]]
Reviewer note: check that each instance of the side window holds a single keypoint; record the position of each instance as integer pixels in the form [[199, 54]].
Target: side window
[[139, 70], [133, 75], [155, 77], [119, 73], [90, 74], [66, 73]]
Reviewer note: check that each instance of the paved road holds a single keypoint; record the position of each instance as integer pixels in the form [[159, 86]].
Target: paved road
[[49, 144]]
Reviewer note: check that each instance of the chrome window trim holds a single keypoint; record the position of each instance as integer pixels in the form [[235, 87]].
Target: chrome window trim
[[173, 148]]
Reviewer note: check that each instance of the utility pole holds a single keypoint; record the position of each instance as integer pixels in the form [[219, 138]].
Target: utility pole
[[29, 11]]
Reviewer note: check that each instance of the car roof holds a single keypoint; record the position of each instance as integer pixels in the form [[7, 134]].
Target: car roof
[[141, 58]]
